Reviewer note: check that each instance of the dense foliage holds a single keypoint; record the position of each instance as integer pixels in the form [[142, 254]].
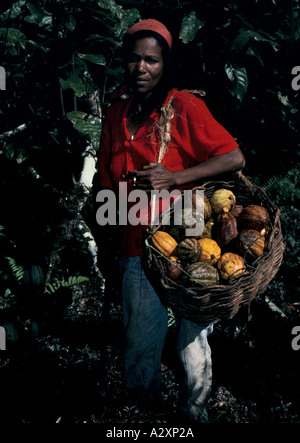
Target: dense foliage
[[63, 68]]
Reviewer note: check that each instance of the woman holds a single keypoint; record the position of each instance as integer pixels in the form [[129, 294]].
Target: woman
[[199, 148]]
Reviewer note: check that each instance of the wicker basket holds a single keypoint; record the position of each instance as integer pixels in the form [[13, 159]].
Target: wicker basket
[[201, 304]]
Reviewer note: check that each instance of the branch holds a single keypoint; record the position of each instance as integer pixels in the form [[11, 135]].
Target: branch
[[89, 167], [17, 130]]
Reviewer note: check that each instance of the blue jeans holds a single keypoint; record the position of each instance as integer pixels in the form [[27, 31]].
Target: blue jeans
[[146, 325]]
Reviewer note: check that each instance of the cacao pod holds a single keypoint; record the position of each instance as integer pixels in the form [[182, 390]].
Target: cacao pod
[[222, 198], [201, 274], [164, 242], [236, 210], [190, 218], [173, 268], [254, 217], [210, 251], [189, 250], [203, 204], [230, 265], [207, 231], [251, 243], [226, 229]]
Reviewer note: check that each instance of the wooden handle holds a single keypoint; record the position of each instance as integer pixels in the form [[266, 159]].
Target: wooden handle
[[243, 178]]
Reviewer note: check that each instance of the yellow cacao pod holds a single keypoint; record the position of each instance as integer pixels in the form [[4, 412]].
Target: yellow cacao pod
[[164, 242], [222, 198], [210, 251]]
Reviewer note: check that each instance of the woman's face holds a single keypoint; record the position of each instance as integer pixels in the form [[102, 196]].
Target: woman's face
[[145, 65]]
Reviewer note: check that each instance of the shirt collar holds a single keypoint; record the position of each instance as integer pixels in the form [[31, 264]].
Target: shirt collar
[[155, 114]]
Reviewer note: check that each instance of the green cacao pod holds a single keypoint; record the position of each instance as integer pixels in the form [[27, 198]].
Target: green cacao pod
[[201, 274], [189, 250]]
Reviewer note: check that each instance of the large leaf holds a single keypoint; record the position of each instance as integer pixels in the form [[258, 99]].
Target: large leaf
[[37, 14], [127, 19], [239, 80], [15, 10], [86, 125], [102, 39], [14, 36], [98, 59], [189, 27], [108, 4], [246, 36], [73, 82], [247, 42]]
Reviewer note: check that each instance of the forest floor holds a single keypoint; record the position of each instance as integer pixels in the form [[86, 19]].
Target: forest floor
[[51, 376]]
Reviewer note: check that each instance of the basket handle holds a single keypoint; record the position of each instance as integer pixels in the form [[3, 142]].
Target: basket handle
[[243, 178]]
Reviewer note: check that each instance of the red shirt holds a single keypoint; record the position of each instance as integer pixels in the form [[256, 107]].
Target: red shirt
[[195, 137]]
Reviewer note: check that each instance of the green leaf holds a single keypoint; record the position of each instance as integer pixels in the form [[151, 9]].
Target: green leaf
[[46, 21], [15, 10], [239, 80], [97, 59], [73, 82], [37, 13], [108, 4], [284, 99], [245, 37], [72, 23], [274, 307], [101, 39], [14, 36], [87, 125], [190, 26], [127, 19]]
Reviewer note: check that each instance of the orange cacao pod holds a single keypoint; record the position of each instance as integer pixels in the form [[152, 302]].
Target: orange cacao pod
[[254, 217], [231, 265], [164, 243], [251, 243]]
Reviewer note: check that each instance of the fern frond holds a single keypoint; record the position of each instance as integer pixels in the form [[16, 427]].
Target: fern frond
[[272, 184], [17, 270], [282, 189], [51, 288], [171, 318]]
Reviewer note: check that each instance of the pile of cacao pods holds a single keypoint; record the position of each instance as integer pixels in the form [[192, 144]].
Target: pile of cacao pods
[[233, 237]]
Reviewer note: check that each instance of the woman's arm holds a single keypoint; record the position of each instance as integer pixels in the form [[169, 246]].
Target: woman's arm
[[156, 176]]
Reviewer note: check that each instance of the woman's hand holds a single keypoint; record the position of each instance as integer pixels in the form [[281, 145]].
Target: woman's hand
[[154, 176]]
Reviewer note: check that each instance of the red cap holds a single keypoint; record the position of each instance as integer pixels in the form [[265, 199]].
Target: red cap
[[151, 25]]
